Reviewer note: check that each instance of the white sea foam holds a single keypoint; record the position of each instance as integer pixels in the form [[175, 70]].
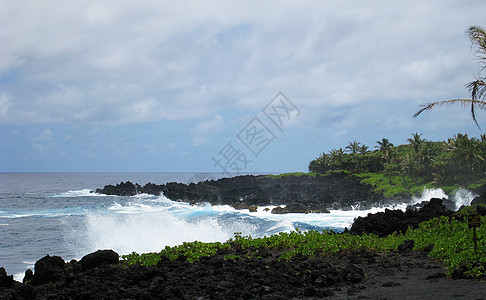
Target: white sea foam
[[77, 193], [427, 194], [463, 197], [152, 230], [49, 213], [460, 197], [148, 223], [19, 276]]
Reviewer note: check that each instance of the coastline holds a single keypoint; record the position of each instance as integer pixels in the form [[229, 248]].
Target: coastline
[[299, 194], [360, 275], [239, 272]]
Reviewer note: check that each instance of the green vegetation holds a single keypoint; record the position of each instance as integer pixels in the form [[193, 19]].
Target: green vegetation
[[192, 251], [405, 170], [453, 244], [452, 240], [297, 174]]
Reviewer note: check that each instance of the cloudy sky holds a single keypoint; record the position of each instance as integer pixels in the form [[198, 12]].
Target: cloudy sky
[[250, 86]]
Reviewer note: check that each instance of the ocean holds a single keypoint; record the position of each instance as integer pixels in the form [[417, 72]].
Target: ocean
[[58, 214]]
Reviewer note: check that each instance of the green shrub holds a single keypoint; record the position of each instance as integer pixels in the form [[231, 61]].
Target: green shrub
[[451, 237]]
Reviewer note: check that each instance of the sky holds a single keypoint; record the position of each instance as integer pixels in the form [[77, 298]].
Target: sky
[[225, 86]]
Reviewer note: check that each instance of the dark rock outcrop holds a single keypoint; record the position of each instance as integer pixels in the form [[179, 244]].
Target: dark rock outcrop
[[406, 245], [99, 258], [5, 280], [121, 189], [49, 268], [299, 208], [210, 278], [481, 199], [385, 223], [298, 193]]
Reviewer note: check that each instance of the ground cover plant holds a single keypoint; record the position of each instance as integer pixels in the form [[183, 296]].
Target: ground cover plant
[[448, 240]]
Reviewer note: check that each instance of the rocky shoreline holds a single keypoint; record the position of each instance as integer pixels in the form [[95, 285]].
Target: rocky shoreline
[[360, 275], [299, 194], [400, 274]]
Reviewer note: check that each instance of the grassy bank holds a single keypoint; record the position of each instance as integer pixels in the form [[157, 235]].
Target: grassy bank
[[451, 240]]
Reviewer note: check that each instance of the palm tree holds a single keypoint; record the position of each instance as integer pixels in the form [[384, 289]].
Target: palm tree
[[469, 151], [477, 88], [336, 154], [386, 148], [353, 147], [466, 151], [416, 141], [363, 149], [384, 145]]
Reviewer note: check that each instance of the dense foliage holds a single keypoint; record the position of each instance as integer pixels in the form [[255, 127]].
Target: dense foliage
[[451, 239], [397, 170]]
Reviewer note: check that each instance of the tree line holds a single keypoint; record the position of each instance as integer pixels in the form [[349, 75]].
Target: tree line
[[459, 158]]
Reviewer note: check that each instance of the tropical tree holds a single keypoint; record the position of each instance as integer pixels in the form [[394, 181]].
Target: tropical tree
[[384, 145], [470, 152], [466, 152], [477, 88], [386, 149], [416, 141], [336, 154], [353, 147], [363, 149], [410, 165]]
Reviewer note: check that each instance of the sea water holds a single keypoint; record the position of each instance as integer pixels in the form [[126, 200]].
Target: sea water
[[58, 214]]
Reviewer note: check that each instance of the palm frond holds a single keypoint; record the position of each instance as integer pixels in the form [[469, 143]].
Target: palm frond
[[477, 88], [477, 35], [463, 102]]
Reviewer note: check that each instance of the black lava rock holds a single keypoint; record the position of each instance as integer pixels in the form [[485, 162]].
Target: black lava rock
[[390, 221], [49, 268], [301, 194], [99, 258]]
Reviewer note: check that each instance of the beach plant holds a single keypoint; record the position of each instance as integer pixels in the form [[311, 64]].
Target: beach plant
[[453, 244], [449, 237]]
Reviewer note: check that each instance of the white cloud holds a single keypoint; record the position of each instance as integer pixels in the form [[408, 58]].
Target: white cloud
[[208, 128], [42, 148], [45, 136], [5, 100], [130, 62], [43, 142]]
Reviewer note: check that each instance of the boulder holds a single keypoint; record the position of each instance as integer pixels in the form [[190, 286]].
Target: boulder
[[406, 245], [99, 258], [49, 268], [121, 189], [5, 280], [28, 276]]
